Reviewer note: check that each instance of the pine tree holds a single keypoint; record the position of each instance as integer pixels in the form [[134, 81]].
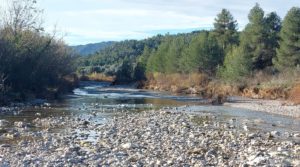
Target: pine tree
[[204, 53], [254, 37], [237, 65], [273, 24], [140, 68], [288, 55], [225, 29], [174, 54]]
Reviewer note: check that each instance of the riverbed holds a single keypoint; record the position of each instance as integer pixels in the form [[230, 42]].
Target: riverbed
[[99, 123]]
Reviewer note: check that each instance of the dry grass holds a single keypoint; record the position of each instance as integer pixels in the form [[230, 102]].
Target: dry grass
[[176, 82], [295, 94], [99, 77], [285, 79], [262, 85]]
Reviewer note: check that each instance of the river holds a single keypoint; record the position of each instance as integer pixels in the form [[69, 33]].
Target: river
[[104, 100]]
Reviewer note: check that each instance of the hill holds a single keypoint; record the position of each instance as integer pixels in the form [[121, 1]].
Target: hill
[[91, 48]]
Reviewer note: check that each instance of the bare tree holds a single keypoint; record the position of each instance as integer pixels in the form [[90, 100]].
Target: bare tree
[[22, 15]]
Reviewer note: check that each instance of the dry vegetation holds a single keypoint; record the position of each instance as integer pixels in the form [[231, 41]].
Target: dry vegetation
[[262, 85], [177, 83], [295, 94], [98, 77]]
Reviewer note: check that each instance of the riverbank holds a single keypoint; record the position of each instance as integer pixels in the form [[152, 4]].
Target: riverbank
[[279, 107], [162, 138], [259, 86]]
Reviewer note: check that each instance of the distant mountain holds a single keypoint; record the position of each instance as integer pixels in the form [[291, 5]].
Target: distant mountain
[[91, 48]]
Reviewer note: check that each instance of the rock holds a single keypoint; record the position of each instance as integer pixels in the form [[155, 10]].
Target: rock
[[20, 124], [154, 138], [85, 122], [5, 145], [218, 100], [296, 135], [252, 135], [245, 127], [129, 146], [197, 151], [258, 161], [3, 123], [275, 133], [3, 130]]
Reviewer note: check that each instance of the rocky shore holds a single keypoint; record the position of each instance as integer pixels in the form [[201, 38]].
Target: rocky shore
[[269, 106], [149, 138]]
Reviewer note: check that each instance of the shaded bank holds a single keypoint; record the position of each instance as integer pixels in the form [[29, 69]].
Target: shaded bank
[[65, 85]]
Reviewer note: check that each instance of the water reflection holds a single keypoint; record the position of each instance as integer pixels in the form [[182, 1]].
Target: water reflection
[[106, 100]]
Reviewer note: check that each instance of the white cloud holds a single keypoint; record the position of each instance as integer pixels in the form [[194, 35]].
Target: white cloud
[[87, 21]]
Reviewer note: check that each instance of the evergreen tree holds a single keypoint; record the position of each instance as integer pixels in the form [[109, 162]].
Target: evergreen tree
[[140, 69], [288, 55], [157, 59], [204, 53], [226, 29], [237, 65], [173, 55], [254, 37], [125, 72], [273, 24]]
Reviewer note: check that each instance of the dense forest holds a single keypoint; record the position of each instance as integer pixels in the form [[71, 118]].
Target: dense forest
[[267, 46], [33, 62]]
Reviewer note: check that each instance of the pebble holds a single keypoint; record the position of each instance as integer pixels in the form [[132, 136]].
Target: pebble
[[151, 138]]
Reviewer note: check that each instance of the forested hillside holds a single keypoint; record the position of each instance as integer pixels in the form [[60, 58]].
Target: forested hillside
[[265, 52], [91, 48]]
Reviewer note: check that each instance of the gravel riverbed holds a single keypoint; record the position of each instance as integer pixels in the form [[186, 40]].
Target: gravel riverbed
[[149, 138], [270, 106]]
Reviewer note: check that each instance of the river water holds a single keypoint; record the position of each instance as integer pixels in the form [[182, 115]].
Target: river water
[[104, 101]]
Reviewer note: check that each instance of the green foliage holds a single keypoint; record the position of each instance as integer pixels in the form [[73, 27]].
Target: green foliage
[[183, 55], [260, 37], [31, 61], [125, 72], [237, 65], [158, 58], [245, 52], [140, 68], [108, 60], [288, 55], [92, 48], [273, 27], [204, 53], [225, 30]]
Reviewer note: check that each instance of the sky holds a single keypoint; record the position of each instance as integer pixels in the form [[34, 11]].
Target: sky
[[91, 21]]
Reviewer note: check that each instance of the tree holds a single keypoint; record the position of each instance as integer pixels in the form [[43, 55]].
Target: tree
[[140, 68], [237, 65], [204, 53], [32, 61], [23, 15], [174, 54], [225, 29], [254, 37], [125, 72], [157, 59], [273, 26], [288, 55]]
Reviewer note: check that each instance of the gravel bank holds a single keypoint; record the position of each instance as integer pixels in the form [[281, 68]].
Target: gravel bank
[[151, 138], [270, 106]]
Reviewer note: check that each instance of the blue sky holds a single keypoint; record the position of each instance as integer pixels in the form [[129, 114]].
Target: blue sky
[[89, 21]]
